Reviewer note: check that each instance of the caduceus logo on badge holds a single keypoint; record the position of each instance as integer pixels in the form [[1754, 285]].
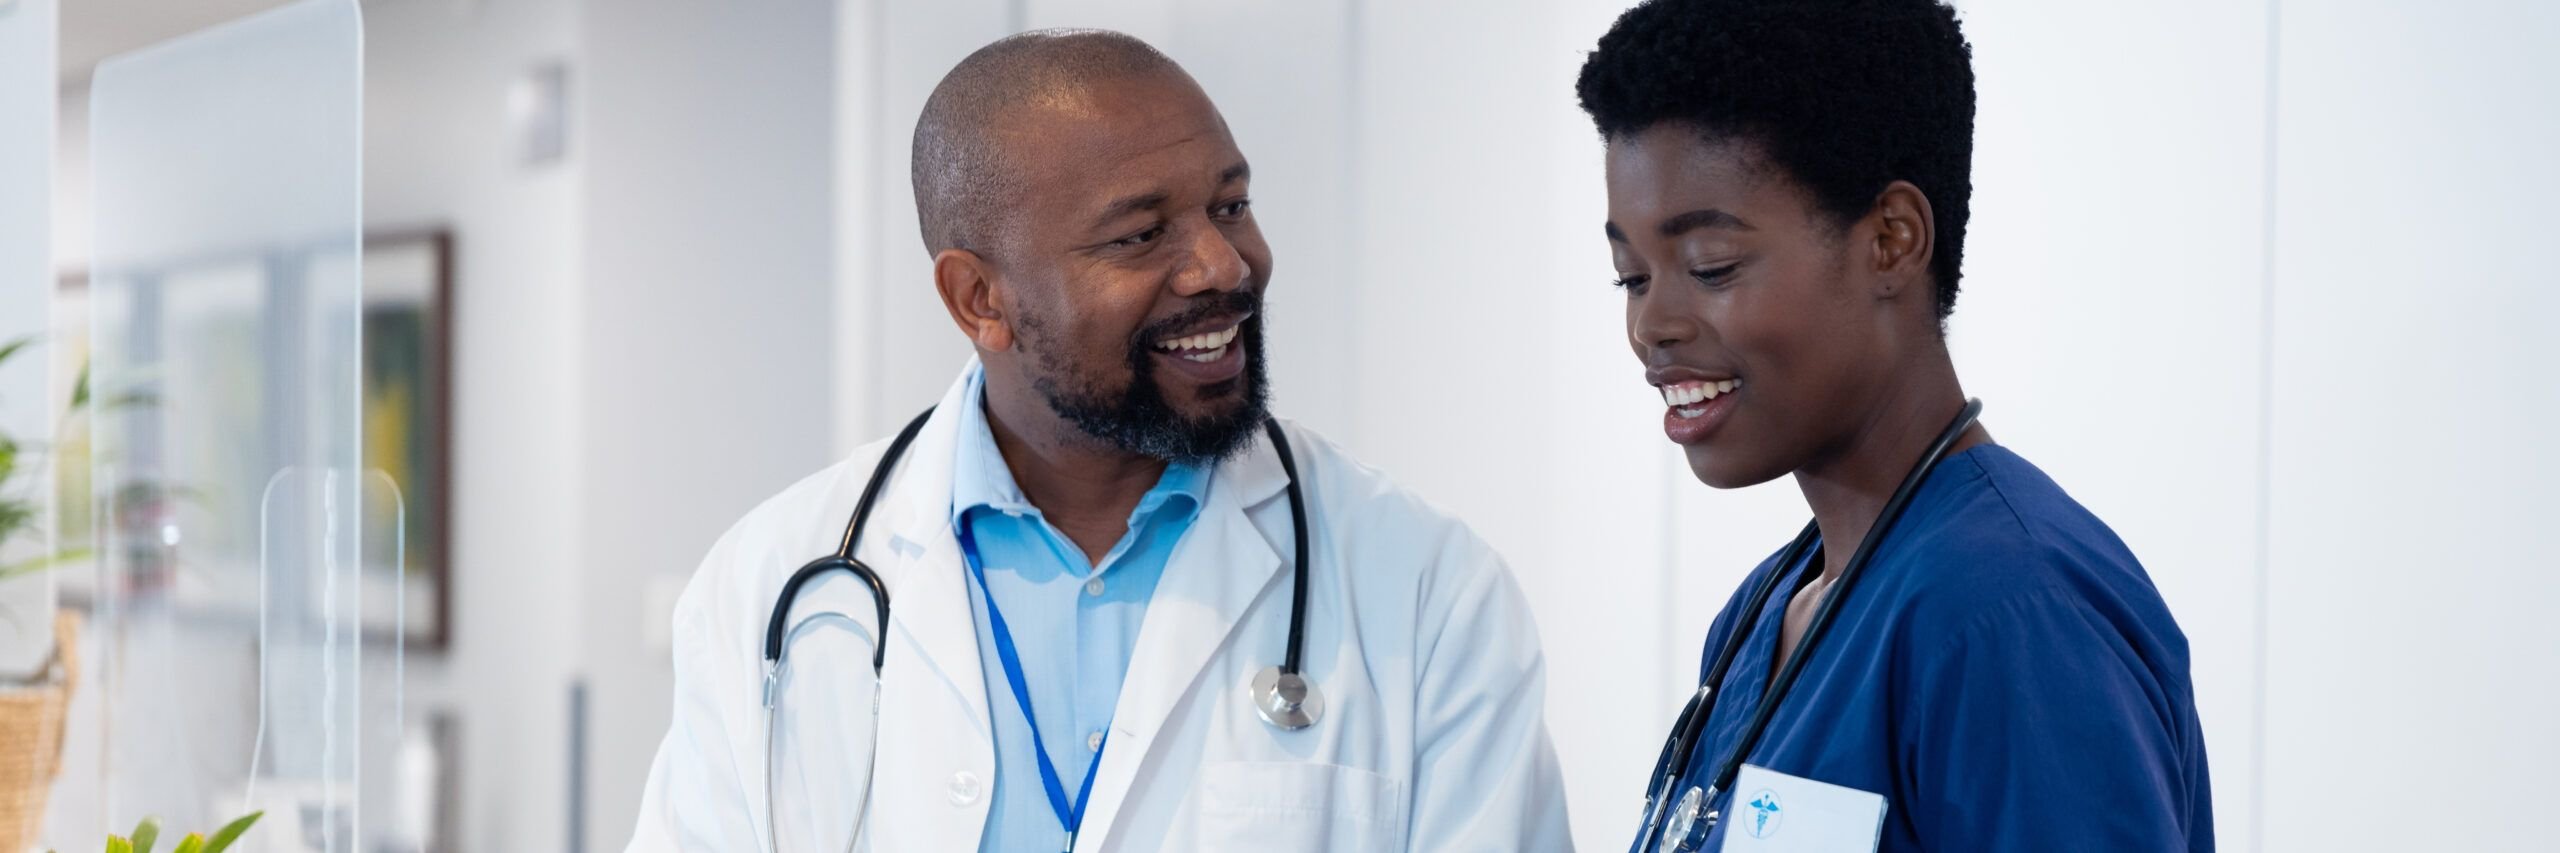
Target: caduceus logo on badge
[[1765, 813]]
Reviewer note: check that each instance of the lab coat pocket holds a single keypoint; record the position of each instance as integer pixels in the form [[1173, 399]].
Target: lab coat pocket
[[1282, 805]]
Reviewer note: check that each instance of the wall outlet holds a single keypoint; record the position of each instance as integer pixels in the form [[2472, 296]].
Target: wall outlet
[[658, 612]]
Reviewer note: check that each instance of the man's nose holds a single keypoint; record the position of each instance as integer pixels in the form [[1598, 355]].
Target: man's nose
[[1214, 265]]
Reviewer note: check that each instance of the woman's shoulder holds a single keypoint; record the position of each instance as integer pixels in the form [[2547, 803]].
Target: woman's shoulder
[[2003, 536]]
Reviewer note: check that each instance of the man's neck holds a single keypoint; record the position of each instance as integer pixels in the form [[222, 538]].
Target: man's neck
[[1082, 486]]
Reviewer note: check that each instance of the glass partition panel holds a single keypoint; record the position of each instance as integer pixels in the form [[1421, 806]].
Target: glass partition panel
[[242, 666]]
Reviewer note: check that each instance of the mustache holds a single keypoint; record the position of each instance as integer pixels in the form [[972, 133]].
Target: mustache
[[1222, 304]]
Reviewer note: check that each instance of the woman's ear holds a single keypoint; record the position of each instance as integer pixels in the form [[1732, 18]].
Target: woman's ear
[[970, 292], [1904, 235]]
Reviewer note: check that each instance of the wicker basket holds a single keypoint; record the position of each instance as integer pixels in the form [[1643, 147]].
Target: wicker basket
[[31, 724]]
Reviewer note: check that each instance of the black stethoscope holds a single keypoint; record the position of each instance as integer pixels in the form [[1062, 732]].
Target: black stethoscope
[[1281, 694], [1691, 819]]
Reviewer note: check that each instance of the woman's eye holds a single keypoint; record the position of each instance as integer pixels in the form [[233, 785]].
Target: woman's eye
[[1141, 238], [1715, 277], [1630, 282]]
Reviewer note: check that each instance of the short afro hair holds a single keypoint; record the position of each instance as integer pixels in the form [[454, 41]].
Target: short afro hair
[[1847, 96]]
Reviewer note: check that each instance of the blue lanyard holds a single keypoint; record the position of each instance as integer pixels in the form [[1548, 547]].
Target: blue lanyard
[[1070, 817]]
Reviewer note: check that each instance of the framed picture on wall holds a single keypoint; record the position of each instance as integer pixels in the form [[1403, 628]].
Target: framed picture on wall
[[408, 432], [190, 472]]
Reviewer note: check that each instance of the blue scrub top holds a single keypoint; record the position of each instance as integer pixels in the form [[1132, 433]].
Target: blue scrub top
[[2004, 673]]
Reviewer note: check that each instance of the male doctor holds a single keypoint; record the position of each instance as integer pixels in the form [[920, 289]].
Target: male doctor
[[1088, 546]]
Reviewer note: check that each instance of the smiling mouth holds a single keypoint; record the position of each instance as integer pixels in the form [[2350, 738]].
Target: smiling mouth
[[1689, 399], [1204, 347]]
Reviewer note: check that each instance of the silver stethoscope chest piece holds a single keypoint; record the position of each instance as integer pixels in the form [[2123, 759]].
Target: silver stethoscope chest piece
[[1689, 822], [1286, 699]]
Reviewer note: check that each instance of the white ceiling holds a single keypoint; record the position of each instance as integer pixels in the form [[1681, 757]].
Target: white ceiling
[[93, 30]]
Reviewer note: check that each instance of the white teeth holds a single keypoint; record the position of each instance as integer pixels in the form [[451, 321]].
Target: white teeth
[[1204, 341], [1206, 357], [1691, 393]]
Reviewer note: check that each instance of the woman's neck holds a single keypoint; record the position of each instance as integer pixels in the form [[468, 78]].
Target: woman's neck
[[1849, 488]]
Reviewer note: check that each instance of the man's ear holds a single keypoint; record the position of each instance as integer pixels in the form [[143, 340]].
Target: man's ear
[[1903, 235], [969, 291]]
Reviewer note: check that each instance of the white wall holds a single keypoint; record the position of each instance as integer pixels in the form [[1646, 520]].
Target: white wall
[[2410, 546], [438, 152], [707, 370], [641, 334], [896, 352]]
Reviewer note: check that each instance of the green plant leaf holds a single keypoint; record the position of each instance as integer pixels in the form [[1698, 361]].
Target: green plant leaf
[[11, 348], [15, 517], [231, 832], [130, 399], [146, 834], [193, 843], [80, 389], [117, 844], [32, 565]]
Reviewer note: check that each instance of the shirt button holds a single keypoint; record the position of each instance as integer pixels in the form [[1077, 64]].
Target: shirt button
[[1094, 741], [1093, 587], [964, 788]]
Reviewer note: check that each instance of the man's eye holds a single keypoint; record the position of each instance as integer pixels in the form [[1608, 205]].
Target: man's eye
[[1141, 238], [1234, 209]]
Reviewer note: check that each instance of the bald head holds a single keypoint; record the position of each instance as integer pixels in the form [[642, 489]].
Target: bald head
[[962, 168]]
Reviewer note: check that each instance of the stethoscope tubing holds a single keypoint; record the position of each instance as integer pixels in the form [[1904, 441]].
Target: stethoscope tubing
[[1298, 556], [843, 559], [1693, 718], [779, 630]]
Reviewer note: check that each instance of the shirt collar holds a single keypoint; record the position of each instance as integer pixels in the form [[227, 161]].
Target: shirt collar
[[980, 478]]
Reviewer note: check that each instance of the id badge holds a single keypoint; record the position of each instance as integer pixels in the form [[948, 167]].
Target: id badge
[[1772, 812]]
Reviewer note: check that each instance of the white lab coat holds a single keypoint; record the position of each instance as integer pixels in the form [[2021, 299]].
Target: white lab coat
[[1433, 735]]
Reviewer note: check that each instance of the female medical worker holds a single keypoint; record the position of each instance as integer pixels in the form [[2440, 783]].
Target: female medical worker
[[1983, 667]]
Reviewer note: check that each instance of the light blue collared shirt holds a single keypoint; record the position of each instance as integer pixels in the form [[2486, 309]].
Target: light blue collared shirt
[[1074, 624]]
